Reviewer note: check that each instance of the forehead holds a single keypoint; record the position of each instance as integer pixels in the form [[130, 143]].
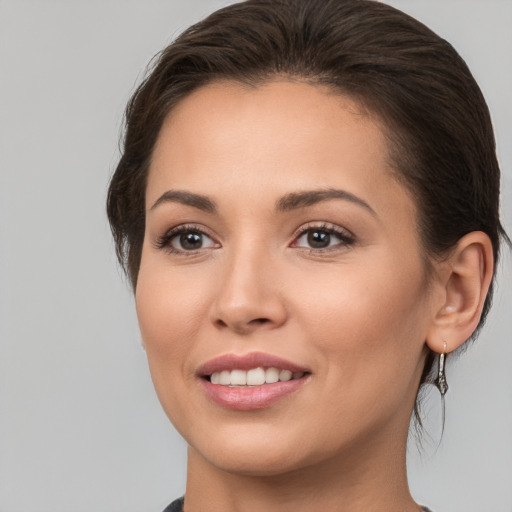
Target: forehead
[[268, 139]]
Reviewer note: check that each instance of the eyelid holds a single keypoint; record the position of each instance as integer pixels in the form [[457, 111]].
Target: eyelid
[[346, 236], [163, 241]]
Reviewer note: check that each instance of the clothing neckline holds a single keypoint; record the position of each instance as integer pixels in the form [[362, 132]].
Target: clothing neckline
[[177, 506]]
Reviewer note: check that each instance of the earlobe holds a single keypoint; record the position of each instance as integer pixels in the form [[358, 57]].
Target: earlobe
[[465, 286]]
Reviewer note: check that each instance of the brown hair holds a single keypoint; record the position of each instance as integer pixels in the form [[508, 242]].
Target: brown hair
[[436, 120]]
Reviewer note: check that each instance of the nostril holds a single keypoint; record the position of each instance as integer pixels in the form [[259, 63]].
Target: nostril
[[241, 326]]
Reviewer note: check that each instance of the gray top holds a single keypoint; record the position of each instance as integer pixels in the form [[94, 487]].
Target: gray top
[[176, 505]]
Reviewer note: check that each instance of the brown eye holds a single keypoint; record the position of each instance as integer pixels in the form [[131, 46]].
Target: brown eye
[[191, 241], [318, 239], [323, 237]]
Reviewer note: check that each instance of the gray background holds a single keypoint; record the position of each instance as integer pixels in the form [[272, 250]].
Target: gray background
[[80, 426]]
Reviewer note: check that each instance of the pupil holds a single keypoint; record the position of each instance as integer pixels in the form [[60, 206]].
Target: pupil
[[191, 241], [319, 239]]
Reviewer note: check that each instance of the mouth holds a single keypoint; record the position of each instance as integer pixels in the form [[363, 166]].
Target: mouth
[[253, 377], [251, 381]]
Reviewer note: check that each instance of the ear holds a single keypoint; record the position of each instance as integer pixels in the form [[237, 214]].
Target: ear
[[464, 282]]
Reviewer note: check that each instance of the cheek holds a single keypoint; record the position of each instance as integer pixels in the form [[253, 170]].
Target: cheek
[[361, 298], [367, 319], [168, 312], [368, 335], [170, 307]]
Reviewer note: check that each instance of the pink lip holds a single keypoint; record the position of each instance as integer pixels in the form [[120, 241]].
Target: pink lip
[[245, 398]]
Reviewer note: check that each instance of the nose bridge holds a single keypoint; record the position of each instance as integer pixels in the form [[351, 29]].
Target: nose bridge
[[248, 295]]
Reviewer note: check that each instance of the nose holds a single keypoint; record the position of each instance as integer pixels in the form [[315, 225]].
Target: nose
[[249, 295]]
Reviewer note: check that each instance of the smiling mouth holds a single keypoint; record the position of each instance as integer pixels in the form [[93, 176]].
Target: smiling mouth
[[253, 377]]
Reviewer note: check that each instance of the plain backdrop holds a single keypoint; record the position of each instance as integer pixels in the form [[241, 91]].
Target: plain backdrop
[[80, 426]]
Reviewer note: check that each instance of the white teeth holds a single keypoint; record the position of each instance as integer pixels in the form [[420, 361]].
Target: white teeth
[[238, 378], [285, 375], [256, 377], [225, 378], [253, 377], [271, 375]]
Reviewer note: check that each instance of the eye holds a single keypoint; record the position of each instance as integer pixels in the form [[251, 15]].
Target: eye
[[191, 241], [323, 237], [185, 239]]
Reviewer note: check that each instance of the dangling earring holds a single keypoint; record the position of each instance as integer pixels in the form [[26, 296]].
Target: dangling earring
[[441, 384]]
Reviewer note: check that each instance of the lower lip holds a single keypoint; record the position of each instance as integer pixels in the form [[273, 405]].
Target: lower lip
[[247, 398]]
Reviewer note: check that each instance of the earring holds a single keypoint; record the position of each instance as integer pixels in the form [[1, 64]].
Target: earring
[[442, 385], [440, 382]]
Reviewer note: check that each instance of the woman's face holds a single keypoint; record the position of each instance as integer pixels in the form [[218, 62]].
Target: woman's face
[[277, 237]]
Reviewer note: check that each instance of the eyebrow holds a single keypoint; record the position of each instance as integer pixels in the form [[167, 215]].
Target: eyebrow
[[187, 198], [289, 202], [305, 198]]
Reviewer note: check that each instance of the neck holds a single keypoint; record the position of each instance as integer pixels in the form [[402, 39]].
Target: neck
[[372, 479]]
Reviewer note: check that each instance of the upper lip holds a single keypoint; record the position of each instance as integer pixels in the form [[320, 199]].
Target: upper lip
[[247, 362]]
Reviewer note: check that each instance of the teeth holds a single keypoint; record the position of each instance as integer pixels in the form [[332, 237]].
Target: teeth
[[285, 375], [253, 377], [225, 378], [271, 375], [256, 377], [238, 378]]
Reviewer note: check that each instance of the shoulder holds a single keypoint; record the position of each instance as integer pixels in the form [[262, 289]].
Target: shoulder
[[177, 506]]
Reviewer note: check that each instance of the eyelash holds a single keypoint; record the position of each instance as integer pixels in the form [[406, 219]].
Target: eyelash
[[344, 236], [164, 242]]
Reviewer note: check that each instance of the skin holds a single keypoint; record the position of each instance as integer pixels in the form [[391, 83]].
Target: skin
[[357, 314]]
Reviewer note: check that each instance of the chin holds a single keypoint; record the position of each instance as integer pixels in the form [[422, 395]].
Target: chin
[[251, 454], [261, 452], [255, 464]]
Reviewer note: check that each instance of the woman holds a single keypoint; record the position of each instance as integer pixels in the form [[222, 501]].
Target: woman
[[307, 207]]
